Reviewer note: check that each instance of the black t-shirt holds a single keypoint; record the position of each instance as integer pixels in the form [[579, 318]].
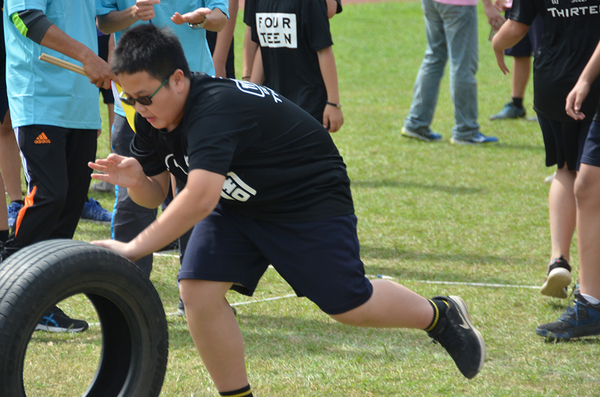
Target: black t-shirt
[[281, 164], [571, 33], [290, 32]]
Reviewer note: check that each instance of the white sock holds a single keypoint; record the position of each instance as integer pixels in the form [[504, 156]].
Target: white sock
[[591, 299]]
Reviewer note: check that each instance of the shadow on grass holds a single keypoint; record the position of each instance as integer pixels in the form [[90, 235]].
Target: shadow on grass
[[588, 340], [531, 148], [370, 252], [275, 337], [90, 336], [413, 185]]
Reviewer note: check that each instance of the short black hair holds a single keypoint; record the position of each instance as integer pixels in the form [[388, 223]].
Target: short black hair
[[146, 48]]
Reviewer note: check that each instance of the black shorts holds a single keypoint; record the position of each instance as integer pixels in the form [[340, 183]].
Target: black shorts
[[107, 94], [3, 104], [563, 142], [320, 259], [529, 44], [591, 149]]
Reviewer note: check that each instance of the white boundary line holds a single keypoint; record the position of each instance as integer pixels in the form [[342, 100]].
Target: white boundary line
[[382, 276], [467, 284]]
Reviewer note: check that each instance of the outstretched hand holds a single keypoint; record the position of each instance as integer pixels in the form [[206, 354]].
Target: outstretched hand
[[118, 170], [576, 98], [194, 17]]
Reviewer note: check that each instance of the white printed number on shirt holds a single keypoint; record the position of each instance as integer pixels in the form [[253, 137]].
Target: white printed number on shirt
[[276, 29], [235, 189]]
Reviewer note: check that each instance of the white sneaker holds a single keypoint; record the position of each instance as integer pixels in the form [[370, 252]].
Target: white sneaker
[[102, 187]]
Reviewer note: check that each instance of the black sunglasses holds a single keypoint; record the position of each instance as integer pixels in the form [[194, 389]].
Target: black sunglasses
[[143, 100]]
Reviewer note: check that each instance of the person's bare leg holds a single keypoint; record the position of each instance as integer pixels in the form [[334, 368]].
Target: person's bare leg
[[562, 208], [10, 160], [587, 191], [215, 332], [520, 76], [390, 306]]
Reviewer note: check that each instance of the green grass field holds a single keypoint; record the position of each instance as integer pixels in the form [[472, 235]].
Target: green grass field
[[440, 219]]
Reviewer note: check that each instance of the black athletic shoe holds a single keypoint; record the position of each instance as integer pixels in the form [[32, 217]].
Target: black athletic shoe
[[57, 321], [457, 335], [581, 319]]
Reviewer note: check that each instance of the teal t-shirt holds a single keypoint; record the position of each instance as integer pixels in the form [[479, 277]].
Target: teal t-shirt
[[193, 41], [42, 93]]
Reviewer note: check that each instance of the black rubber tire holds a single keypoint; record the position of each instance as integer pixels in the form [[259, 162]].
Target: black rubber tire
[[134, 327]]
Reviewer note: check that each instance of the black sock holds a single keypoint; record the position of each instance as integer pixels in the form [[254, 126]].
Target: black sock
[[439, 309], [518, 102], [245, 391], [3, 236]]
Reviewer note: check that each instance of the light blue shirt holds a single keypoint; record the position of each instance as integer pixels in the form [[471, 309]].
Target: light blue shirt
[[193, 41], [42, 93]]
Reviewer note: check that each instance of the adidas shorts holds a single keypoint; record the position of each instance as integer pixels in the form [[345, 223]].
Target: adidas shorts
[[320, 259]]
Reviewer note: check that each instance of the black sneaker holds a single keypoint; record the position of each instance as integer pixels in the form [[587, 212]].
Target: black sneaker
[[457, 335], [57, 321], [581, 319], [558, 279]]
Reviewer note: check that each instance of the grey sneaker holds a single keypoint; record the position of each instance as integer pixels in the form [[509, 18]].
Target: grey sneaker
[[509, 111], [457, 335], [549, 179], [429, 136], [103, 187], [478, 139]]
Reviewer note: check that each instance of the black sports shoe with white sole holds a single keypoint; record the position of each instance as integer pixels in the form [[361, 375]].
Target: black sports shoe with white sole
[[57, 321], [457, 335]]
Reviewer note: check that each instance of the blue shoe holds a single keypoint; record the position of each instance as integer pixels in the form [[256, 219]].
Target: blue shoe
[[509, 111], [92, 210], [581, 319], [476, 140], [428, 136], [13, 210]]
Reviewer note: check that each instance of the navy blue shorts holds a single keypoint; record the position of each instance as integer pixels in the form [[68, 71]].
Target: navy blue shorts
[[529, 44], [591, 149], [320, 259], [563, 142]]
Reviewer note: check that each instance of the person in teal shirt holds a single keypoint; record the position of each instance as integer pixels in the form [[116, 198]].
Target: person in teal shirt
[[56, 116]]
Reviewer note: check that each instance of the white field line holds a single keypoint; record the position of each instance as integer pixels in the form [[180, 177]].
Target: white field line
[[467, 284], [381, 276], [371, 276]]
